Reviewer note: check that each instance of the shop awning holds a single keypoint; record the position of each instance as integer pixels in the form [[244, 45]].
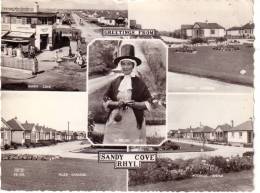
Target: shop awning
[[3, 33], [20, 34], [18, 37]]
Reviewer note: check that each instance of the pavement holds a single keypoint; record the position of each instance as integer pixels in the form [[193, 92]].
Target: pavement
[[220, 150], [188, 83]]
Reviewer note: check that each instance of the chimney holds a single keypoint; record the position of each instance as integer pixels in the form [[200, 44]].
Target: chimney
[[36, 7], [232, 123]]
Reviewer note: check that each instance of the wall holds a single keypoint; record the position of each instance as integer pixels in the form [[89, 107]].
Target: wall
[[18, 137], [19, 63], [237, 138]]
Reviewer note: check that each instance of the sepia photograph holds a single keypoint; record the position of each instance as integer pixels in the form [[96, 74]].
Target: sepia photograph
[[43, 136], [45, 48], [210, 42], [209, 146], [127, 91]]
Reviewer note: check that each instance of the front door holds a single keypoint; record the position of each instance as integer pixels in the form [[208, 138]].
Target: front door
[[43, 41], [249, 137]]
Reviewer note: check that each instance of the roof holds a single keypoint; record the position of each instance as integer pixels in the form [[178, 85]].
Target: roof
[[28, 126], [30, 14], [20, 34], [4, 125], [234, 28], [224, 127], [15, 125], [248, 26], [246, 126], [205, 25], [203, 129], [185, 26]]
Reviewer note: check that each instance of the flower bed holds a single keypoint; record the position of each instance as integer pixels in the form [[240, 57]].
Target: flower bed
[[165, 169], [10, 156]]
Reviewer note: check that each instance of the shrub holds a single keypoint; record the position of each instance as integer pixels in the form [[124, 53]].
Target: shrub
[[221, 39], [248, 153], [96, 137], [169, 145], [198, 41], [6, 146]]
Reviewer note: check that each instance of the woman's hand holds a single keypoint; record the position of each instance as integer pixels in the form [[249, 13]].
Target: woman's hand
[[115, 104], [137, 105]]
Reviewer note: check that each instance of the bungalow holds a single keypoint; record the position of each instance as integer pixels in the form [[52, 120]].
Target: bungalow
[[80, 135], [242, 134], [17, 132], [202, 133], [248, 30], [30, 132], [6, 137], [220, 134], [245, 31], [207, 30], [186, 31]]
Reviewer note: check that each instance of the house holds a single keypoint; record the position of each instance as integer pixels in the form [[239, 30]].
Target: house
[[17, 131], [202, 133], [28, 28], [58, 136], [234, 32], [241, 134], [220, 133], [39, 132], [6, 136], [30, 132], [186, 31], [248, 30], [244, 31], [80, 135], [207, 30]]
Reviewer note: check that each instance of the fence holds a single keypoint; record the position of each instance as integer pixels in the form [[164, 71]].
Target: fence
[[18, 63]]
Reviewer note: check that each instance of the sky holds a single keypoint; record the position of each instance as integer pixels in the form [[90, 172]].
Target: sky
[[69, 4], [52, 109], [168, 15], [211, 110]]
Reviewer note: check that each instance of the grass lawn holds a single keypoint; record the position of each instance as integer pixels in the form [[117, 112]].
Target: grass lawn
[[44, 175], [66, 77], [240, 181], [224, 66]]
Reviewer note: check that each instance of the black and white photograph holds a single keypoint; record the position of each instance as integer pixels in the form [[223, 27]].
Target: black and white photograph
[[210, 42], [44, 47], [43, 145], [209, 146], [127, 91]]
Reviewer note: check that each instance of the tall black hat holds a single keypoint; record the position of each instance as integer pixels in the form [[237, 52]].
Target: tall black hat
[[127, 52]]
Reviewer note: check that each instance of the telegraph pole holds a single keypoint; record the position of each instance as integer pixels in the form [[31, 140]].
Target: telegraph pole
[[68, 130]]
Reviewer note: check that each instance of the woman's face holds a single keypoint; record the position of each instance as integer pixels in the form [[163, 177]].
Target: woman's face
[[127, 66]]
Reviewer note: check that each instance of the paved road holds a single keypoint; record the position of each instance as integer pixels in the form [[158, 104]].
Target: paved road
[[65, 149], [220, 150], [187, 83]]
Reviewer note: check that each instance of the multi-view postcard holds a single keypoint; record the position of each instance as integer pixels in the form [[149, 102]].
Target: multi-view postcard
[[128, 95]]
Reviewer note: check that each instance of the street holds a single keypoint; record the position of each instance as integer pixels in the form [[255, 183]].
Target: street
[[220, 150], [188, 83]]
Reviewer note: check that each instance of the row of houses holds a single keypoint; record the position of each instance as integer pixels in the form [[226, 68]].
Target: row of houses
[[15, 132], [241, 134], [214, 30], [111, 18]]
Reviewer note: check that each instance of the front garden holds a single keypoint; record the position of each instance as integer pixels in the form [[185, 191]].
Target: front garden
[[165, 169]]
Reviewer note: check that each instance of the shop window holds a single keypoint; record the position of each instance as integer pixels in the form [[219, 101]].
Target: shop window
[[29, 20], [24, 20], [19, 20], [13, 20], [34, 21]]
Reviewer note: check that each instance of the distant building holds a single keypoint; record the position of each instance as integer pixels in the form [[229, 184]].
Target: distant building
[[244, 31], [34, 28], [186, 31]]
